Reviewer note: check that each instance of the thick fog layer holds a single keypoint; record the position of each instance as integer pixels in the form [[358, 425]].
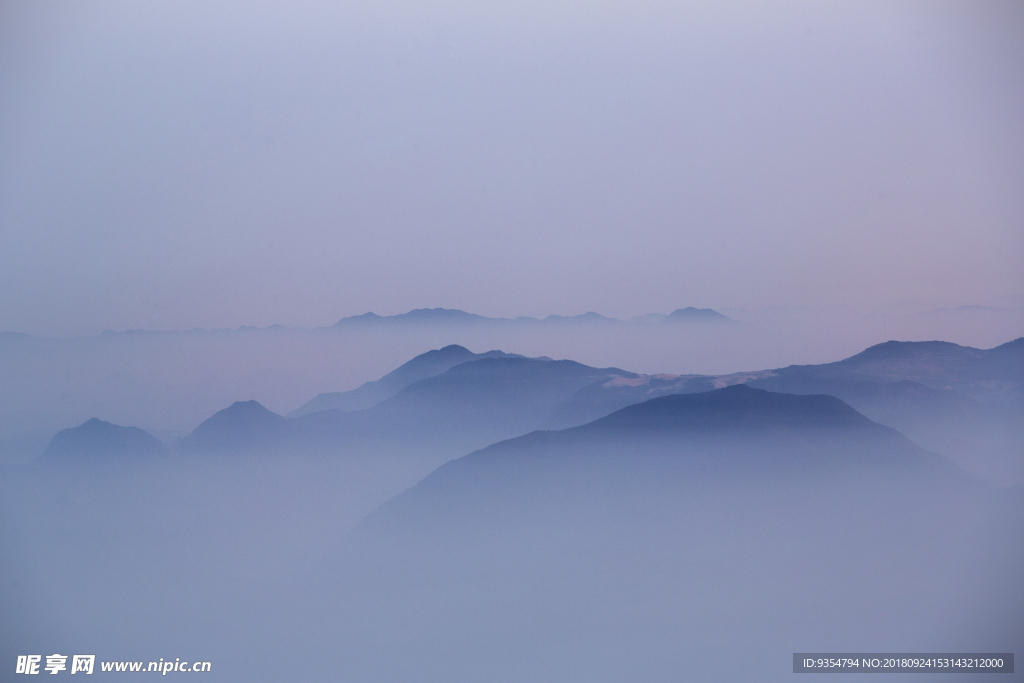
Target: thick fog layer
[[706, 535], [211, 452]]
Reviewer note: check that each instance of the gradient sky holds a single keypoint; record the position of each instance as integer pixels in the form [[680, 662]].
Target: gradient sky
[[168, 165]]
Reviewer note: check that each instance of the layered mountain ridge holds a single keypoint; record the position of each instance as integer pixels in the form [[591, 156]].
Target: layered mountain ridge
[[96, 439], [963, 402], [429, 364], [453, 316], [729, 435]]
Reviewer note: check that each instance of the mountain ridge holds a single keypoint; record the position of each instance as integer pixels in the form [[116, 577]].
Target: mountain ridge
[[691, 314], [457, 316], [97, 438], [732, 434], [243, 425], [367, 395]]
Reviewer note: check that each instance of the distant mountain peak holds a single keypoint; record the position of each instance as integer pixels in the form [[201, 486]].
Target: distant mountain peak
[[457, 316], [431, 312], [735, 434], [242, 425], [900, 350], [429, 364], [1015, 345], [369, 316], [736, 407], [692, 314], [251, 406], [97, 438], [417, 315], [240, 411]]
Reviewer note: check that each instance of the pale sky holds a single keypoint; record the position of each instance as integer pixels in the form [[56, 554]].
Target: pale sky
[[169, 165]]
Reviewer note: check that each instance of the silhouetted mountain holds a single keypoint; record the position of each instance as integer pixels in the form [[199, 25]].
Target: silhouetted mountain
[[422, 366], [964, 402], [245, 425], [98, 439], [691, 314], [469, 405], [507, 395], [733, 410], [434, 419], [601, 398], [466, 407], [936, 375], [735, 432], [449, 316], [982, 374], [419, 315], [514, 377], [709, 523], [1015, 347]]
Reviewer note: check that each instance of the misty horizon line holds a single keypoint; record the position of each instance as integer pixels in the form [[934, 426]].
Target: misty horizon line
[[437, 315]]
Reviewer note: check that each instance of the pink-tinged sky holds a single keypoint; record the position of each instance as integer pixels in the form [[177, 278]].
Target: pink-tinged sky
[[170, 165]]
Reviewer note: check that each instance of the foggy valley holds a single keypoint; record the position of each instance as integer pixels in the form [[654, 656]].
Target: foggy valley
[[494, 516], [519, 341]]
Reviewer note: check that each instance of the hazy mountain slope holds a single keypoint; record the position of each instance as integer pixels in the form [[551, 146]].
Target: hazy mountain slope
[[901, 403], [963, 402], [418, 315], [96, 439], [369, 394], [455, 317], [245, 425], [712, 534], [938, 373], [750, 431], [493, 391], [696, 315], [984, 375], [428, 422], [463, 408], [705, 536], [604, 397]]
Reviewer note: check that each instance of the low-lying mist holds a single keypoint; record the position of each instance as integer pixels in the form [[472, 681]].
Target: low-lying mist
[[169, 382], [704, 536]]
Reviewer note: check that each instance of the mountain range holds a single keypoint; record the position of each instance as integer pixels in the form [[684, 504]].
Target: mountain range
[[671, 533], [735, 434], [463, 406], [425, 365], [963, 402], [96, 440], [662, 536], [450, 316]]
